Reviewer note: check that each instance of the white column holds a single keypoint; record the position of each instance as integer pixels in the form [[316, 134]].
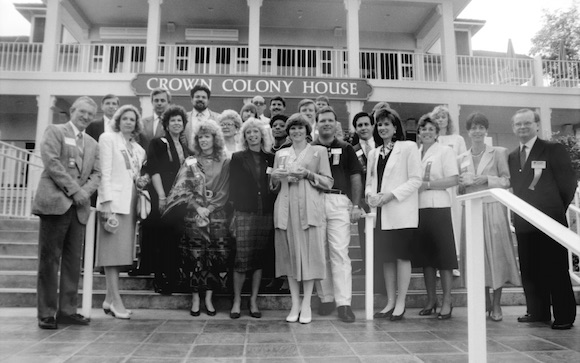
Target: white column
[[352, 37], [545, 131], [52, 32], [448, 41], [538, 71], [146, 106], [153, 33], [353, 107], [254, 37], [454, 110]]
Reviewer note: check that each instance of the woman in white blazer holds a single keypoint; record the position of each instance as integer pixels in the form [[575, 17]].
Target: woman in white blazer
[[121, 159], [435, 243], [393, 181]]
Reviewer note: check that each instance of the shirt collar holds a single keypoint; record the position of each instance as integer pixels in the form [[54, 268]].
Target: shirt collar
[[75, 129], [530, 143]]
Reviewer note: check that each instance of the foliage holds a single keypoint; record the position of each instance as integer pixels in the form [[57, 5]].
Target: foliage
[[571, 144], [562, 25]]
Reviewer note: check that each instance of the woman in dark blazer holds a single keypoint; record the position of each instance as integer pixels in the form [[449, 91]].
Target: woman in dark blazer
[[164, 158], [253, 204]]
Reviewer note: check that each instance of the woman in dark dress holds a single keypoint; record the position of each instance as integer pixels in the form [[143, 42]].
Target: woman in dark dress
[[392, 184], [253, 204], [164, 158], [200, 192]]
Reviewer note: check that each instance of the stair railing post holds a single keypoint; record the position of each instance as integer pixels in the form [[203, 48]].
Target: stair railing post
[[369, 265], [88, 264], [476, 325]]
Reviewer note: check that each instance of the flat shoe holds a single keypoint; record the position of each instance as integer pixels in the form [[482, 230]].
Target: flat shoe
[[253, 314], [234, 315], [194, 313], [209, 312], [385, 315]]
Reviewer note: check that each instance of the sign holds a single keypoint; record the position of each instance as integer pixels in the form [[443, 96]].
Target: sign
[[250, 86]]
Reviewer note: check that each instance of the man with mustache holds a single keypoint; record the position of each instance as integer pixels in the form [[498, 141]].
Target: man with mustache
[[200, 95], [277, 106]]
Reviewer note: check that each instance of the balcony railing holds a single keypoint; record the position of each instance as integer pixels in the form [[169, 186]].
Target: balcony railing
[[289, 62]]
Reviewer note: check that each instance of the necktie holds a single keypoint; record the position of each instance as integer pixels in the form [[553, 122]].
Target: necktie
[[80, 146], [522, 156], [366, 148]]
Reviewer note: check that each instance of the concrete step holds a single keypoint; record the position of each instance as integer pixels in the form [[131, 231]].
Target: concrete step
[[18, 297], [19, 224], [18, 249], [18, 263], [30, 236]]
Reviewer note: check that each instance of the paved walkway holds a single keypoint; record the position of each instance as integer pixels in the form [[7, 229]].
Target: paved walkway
[[173, 336]]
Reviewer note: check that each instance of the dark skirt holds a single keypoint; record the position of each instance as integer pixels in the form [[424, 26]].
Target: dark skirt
[[434, 244], [204, 254], [390, 246], [253, 233]]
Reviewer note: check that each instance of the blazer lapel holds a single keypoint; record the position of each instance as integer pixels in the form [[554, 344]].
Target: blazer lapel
[[466, 163], [393, 158], [486, 158], [249, 164]]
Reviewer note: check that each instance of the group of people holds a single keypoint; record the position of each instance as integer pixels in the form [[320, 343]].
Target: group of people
[[237, 194]]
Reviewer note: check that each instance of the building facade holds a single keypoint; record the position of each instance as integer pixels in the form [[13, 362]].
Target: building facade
[[414, 54]]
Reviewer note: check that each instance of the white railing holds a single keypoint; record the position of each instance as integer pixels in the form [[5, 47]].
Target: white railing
[[401, 66], [573, 218], [19, 173], [493, 70], [101, 58], [303, 62], [20, 57], [562, 73], [203, 59], [475, 249]]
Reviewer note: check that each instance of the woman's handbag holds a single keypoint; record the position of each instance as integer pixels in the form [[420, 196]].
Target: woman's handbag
[[143, 204], [111, 224]]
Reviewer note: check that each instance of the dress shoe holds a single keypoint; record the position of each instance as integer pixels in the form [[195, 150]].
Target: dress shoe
[[397, 317], [293, 318], [305, 316], [326, 308], [385, 315], [194, 313], [345, 314], [106, 307], [254, 314], [126, 315], [428, 311], [561, 326], [234, 315], [47, 323], [445, 316], [209, 312], [528, 318], [73, 319]]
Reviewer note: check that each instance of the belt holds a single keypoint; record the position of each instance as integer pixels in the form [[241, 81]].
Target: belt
[[334, 191]]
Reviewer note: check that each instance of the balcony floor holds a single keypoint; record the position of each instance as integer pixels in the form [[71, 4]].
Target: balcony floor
[[174, 336]]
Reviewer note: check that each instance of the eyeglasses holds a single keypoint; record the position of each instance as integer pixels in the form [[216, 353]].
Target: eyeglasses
[[259, 103], [227, 124]]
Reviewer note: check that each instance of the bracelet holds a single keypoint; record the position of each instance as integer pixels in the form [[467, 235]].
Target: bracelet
[[428, 185], [162, 198]]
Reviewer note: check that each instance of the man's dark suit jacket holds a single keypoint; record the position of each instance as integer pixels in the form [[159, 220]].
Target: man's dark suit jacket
[[555, 188], [96, 128]]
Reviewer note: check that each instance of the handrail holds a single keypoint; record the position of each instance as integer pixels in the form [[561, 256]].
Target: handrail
[[475, 250]]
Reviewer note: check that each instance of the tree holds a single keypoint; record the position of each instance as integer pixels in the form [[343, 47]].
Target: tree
[[560, 26]]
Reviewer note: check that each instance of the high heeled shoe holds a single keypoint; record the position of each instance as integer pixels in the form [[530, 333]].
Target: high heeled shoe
[[445, 316], [106, 307], [428, 311], [293, 318], [209, 312], [385, 315], [256, 314], [397, 317], [305, 318], [126, 315]]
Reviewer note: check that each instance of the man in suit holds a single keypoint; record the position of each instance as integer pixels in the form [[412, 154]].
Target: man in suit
[[341, 204], [71, 174], [200, 96], [542, 175], [109, 105], [277, 106], [260, 104], [152, 125], [364, 142]]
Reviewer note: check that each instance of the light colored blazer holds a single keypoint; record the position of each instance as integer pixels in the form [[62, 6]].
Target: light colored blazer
[[117, 180], [443, 164], [310, 200], [494, 164], [402, 177], [62, 178]]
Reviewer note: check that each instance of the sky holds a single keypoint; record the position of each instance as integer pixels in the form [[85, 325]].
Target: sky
[[498, 14]]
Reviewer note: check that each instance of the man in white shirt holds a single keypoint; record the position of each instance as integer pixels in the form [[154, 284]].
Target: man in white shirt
[[152, 125], [200, 96], [109, 105], [260, 104]]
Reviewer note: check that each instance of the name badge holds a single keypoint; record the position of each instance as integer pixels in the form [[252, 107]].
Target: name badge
[[336, 151], [70, 141], [127, 161], [359, 153], [191, 161], [269, 170], [282, 163], [539, 164]]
